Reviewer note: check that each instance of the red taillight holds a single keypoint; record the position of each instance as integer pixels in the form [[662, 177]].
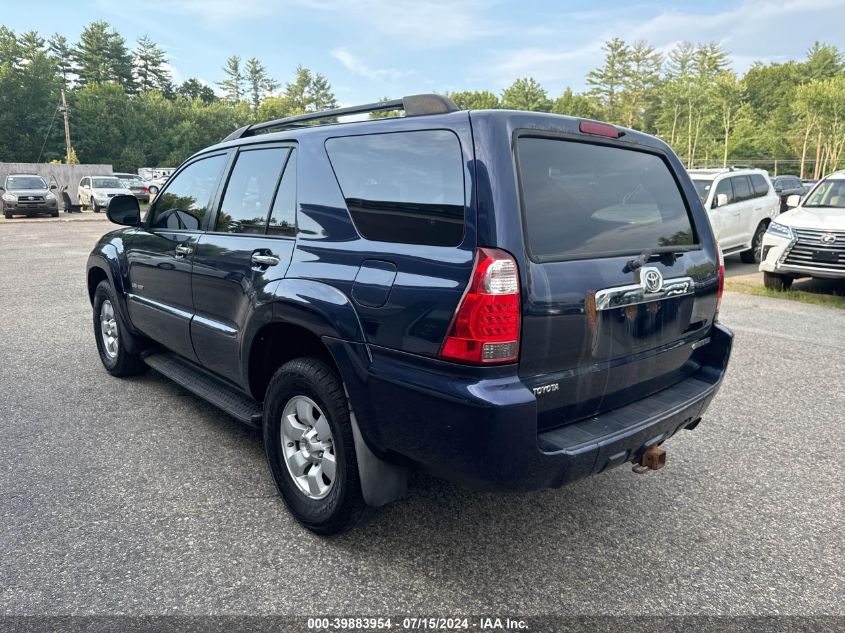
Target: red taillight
[[721, 287], [145, 189], [485, 328], [600, 129]]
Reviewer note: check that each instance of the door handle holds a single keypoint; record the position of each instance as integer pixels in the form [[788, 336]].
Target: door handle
[[259, 259], [181, 250]]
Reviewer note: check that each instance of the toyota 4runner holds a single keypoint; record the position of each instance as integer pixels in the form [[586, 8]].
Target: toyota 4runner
[[510, 299]]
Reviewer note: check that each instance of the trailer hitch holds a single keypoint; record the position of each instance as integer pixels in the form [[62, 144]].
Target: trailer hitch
[[654, 458]]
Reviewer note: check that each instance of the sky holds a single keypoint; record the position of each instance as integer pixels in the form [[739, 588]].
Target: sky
[[370, 49]]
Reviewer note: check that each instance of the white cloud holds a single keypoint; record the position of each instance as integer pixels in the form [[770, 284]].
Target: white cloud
[[357, 67], [749, 30]]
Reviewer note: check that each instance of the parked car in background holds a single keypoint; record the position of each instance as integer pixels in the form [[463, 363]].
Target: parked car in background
[[157, 183], [139, 187], [512, 299], [809, 239], [27, 194], [95, 191], [740, 204], [786, 186]]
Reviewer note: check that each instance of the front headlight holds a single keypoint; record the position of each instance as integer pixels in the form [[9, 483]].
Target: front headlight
[[780, 230], [8, 197], [50, 196]]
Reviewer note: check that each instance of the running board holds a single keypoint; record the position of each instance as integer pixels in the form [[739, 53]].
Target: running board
[[206, 386]]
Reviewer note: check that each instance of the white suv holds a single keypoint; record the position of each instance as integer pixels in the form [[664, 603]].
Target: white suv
[[740, 203], [809, 239]]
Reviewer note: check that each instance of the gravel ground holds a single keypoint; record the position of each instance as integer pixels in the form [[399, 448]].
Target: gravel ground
[[134, 497]]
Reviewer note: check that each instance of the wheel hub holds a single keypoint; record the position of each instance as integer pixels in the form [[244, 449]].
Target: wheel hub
[[307, 446]]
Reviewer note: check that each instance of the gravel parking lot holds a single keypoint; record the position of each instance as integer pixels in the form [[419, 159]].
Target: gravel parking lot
[[134, 497]]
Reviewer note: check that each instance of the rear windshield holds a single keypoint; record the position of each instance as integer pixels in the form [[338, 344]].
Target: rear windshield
[[582, 200]]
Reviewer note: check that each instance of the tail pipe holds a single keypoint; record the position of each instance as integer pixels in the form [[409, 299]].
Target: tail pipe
[[654, 458]]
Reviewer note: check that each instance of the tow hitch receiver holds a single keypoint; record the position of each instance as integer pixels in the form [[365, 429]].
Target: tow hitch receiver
[[652, 459]]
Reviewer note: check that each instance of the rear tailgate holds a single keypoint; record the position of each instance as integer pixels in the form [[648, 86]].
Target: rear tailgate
[[619, 271]]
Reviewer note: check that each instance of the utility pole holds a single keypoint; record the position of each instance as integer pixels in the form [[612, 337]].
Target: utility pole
[[65, 112]]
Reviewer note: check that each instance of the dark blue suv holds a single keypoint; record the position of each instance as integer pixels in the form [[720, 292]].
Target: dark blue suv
[[509, 299]]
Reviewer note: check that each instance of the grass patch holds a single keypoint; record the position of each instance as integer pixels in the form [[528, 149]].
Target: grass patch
[[749, 288]]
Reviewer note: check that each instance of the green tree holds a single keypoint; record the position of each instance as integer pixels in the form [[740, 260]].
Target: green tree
[[727, 95], [578, 105], [258, 82], [309, 92], [609, 81], [526, 94], [641, 83], [233, 84], [150, 63], [475, 100], [193, 88], [824, 61], [62, 55], [101, 55]]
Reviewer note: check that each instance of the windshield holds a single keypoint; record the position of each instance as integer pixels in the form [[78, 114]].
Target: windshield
[[25, 182], [106, 183], [830, 193], [583, 200], [702, 188]]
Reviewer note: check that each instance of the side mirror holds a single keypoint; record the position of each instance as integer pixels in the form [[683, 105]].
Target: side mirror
[[53, 187], [124, 210], [2, 189], [721, 200], [793, 201]]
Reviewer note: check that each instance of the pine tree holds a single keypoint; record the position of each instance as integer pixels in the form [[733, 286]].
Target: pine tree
[[640, 84], [526, 94], [62, 55], [101, 55], [608, 81], [233, 85], [194, 89], [309, 92], [151, 66], [258, 82]]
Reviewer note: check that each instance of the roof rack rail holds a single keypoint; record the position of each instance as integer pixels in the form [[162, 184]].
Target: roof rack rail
[[413, 105]]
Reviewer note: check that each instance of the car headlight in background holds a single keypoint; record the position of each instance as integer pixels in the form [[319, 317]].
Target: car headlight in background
[[8, 197], [779, 230]]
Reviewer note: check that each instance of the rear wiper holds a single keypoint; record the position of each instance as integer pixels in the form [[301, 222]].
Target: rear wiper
[[667, 258]]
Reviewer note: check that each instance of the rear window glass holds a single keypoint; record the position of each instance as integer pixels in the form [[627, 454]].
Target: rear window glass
[[585, 200], [702, 188], [403, 187]]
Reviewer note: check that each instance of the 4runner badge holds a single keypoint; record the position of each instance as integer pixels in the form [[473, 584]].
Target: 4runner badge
[[539, 391]]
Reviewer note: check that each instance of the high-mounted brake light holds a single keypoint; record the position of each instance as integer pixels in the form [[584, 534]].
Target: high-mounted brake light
[[600, 129], [486, 325], [721, 288]]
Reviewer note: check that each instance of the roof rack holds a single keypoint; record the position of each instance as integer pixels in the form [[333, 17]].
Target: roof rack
[[413, 105]]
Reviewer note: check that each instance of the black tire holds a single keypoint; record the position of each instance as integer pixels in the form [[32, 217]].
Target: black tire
[[55, 214], [754, 254], [7, 215], [343, 506], [96, 207], [773, 281], [124, 363]]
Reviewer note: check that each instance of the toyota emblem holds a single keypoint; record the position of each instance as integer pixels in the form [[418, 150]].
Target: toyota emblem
[[828, 238], [652, 280]]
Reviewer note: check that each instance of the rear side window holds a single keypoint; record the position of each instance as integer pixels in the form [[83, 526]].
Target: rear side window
[[742, 190], [246, 203], [761, 187], [582, 200], [403, 187]]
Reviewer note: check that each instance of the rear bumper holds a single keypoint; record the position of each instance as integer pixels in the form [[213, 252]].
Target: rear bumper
[[484, 431]]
